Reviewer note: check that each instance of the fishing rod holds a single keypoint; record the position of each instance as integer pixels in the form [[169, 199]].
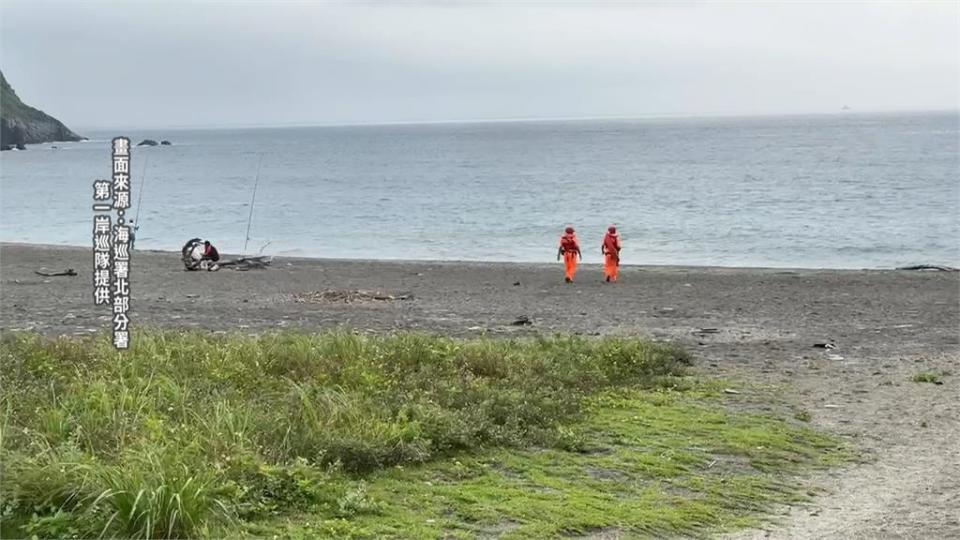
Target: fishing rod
[[143, 182], [252, 201]]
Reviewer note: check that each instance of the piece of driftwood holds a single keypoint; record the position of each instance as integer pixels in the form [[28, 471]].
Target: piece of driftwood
[[522, 320], [930, 268], [67, 272], [347, 297], [248, 263]]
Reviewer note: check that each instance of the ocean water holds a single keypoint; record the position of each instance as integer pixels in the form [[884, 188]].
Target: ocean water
[[832, 191]]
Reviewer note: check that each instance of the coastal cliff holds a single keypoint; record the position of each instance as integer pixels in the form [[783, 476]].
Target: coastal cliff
[[22, 124]]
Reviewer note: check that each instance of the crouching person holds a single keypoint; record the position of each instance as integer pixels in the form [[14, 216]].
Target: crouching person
[[197, 255]]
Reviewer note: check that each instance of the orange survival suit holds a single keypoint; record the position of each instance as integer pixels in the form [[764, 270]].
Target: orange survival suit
[[611, 253], [570, 250]]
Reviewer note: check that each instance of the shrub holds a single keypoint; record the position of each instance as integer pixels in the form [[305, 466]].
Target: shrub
[[927, 377], [186, 429]]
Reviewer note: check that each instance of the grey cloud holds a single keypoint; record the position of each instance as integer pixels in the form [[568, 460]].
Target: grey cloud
[[221, 63]]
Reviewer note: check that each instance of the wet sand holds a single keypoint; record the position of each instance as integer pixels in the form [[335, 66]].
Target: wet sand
[[752, 325]]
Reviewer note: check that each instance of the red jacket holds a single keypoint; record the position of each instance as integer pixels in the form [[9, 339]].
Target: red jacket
[[568, 242], [611, 244], [211, 253]]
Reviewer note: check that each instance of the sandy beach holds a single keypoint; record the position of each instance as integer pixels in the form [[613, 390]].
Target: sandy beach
[[759, 326]]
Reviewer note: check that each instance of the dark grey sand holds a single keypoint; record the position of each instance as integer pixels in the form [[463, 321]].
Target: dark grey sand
[[887, 325]]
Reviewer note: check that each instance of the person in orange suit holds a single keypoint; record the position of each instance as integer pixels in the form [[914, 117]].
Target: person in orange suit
[[569, 250], [611, 253]]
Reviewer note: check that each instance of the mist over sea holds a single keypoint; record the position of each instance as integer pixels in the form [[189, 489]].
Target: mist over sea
[[831, 191]]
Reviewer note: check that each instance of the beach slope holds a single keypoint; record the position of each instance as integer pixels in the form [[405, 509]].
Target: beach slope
[[760, 326]]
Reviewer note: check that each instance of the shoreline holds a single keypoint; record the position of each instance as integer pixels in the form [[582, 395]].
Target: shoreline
[[494, 263], [476, 297]]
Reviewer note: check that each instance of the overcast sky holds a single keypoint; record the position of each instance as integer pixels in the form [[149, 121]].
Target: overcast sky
[[145, 64]]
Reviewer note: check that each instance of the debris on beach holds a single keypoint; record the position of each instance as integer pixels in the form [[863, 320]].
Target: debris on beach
[[730, 391], [825, 346], [330, 296], [930, 268], [707, 331], [522, 320], [67, 272], [248, 263]]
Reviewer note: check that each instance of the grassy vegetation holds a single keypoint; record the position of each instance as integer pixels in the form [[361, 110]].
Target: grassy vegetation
[[337, 435], [14, 108], [928, 377]]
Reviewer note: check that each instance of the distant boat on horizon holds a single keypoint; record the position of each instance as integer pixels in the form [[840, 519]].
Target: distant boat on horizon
[[845, 108]]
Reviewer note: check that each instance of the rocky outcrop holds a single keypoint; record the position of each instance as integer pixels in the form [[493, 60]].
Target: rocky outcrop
[[22, 124]]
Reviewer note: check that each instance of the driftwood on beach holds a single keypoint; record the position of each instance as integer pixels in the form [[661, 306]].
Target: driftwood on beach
[[930, 268], [347, 297], [248, 263], [67, 272]]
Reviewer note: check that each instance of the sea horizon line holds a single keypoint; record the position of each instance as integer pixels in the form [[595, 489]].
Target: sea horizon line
[[520, 120]]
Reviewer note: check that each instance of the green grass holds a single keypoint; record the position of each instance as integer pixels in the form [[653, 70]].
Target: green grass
[[652, 464], [12, 107], [928, 377], [338, 435]]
